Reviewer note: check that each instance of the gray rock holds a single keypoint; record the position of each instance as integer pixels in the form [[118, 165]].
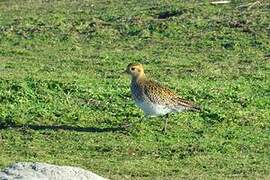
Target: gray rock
[[43, 171]]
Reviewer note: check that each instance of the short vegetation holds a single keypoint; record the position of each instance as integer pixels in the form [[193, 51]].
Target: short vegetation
[[64, 100]]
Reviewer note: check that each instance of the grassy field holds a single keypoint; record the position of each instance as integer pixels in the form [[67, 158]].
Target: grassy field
[[63, 99]]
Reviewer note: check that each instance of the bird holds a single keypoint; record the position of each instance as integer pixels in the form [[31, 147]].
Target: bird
[[154, 98]]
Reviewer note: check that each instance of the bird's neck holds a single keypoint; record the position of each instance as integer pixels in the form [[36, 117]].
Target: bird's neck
[[136, 79]]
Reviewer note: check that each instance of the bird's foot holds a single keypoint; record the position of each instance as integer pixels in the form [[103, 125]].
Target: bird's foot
[[164, 130]]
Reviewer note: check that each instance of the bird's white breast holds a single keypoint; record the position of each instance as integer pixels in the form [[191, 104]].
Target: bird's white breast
[[151, 109]]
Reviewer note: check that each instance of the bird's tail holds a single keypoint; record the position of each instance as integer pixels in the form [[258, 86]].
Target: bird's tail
[[189, 105], [196, 108]]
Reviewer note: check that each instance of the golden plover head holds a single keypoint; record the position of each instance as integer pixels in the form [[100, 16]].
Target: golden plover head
[[135, 70]]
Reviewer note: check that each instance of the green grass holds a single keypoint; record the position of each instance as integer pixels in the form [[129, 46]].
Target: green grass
[[63, 100]]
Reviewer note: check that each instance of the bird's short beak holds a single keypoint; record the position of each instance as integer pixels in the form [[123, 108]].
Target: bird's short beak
[[124, 72]]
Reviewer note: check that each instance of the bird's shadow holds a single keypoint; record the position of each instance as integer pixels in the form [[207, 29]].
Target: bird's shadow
[[65, 127]]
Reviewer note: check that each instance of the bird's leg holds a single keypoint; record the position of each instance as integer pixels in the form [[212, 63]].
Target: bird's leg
[[166, 117], [142, 118]]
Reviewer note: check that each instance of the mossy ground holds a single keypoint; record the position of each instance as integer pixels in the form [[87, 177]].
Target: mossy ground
[[63, 99]]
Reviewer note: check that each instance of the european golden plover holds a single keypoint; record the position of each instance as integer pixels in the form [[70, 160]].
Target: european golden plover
[[153, 98]]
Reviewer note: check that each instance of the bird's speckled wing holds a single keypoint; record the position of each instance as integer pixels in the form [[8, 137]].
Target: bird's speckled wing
[[164, 96]]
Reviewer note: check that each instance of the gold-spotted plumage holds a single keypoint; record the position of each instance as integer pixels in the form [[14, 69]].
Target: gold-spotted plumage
[[153, 98]]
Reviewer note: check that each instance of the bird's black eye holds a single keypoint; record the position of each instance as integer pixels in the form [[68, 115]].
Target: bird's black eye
[[132, 69]]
